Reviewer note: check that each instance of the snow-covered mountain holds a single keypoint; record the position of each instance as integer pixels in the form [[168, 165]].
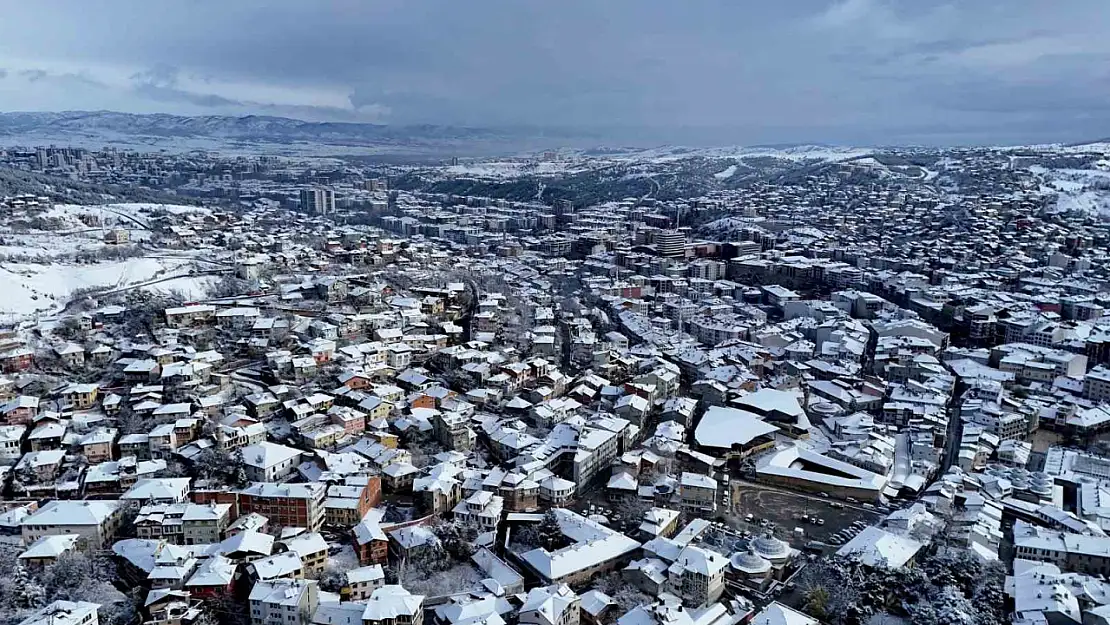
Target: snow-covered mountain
[[175, 132]]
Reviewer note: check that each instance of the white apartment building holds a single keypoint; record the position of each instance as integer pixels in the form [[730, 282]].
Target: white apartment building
[[65, 613], [95, 521], [1096, 384], [283, 602], [698, 576], [481, 510], [269, 462], [364, 580], [551, 605]]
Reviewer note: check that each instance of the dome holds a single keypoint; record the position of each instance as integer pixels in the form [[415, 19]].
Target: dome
[[769, 547], [749, 563], [825, 409]]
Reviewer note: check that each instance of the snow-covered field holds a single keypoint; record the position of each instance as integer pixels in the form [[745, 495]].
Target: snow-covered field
[[794, 153], [29, 288], [121, 214], [1083, 190], [37, 269], [578, 162], [513, 168], [78, 229], [727, 173], [45, 247], [727, 225], [191, 287]]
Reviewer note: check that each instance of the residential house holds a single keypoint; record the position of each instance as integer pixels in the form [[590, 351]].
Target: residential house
[[95, 521]]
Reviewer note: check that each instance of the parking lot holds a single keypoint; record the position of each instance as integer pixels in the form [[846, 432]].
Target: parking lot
[[786, 509]]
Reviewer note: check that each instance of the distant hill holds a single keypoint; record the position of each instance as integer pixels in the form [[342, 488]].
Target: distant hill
[[257, 132]]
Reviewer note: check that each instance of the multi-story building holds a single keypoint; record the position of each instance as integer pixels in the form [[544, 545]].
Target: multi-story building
[[594, 549], [349, 502], [11, 441], [393, 605], [158, 490], [551, 605], [269, 462], [205, 524], [1077, 553], [65, 613], [670, 243], [698, 576], [437, 493], [364, 580], [698, 493], [1096, 384], [318, 200], [289, 505], [95, 521], [370, 542], [452, 429], [312, 550], [482, 510], [283, 602]]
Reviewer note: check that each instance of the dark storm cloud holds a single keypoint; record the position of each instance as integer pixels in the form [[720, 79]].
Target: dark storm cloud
[[33, 75], [171, 95], [161, 75], [806, 70], [71, 79]]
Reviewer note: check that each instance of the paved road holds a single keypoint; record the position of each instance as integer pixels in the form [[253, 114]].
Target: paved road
[[955, 430]]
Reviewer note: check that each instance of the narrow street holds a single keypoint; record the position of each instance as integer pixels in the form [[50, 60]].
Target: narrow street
[[955, 429]]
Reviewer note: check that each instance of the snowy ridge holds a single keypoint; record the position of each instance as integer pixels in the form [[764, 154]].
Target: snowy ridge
[[260, 134], [793, 153]]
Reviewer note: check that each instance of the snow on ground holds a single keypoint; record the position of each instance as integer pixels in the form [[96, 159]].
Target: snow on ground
[[515, 168], [30, 288], [1090, 202], [794, 153], [510, 168], [727, 173], [73, 235], [119, 214], [726, 225], [41, 275], [138, 209], [1063, 185], [1097, 146], [460, 578], [870, 163], [1084, 190], [31, 246], [343, 560], [190, 287]]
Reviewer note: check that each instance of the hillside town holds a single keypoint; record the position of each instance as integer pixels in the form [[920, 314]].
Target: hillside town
[[836, 388]]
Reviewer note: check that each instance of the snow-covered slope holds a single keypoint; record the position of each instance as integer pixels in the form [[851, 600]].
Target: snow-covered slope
[[257, 133], [40, 269], [791, 153], [29, 288], [1082, 190]]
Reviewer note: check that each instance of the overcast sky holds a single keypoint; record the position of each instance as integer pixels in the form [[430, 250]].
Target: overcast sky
[[841, 71]]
